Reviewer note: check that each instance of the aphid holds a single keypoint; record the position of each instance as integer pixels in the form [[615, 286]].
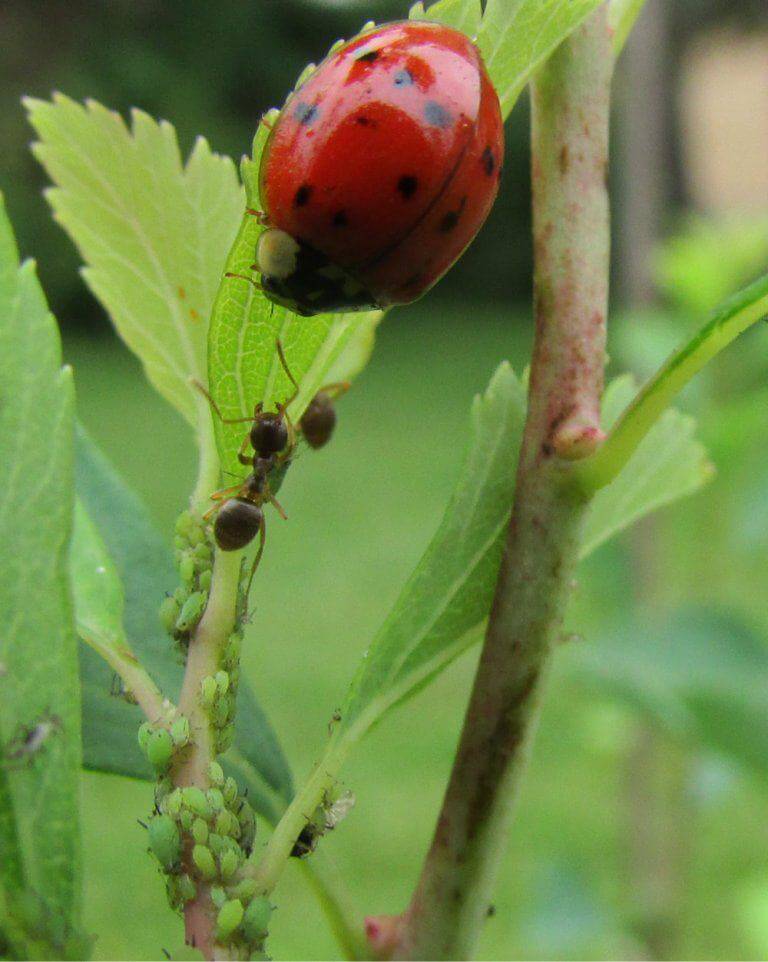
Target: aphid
[[379, 171], [319, 420], [29, 740], [326, 817]]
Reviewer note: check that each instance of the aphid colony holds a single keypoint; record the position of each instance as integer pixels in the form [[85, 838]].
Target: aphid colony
[[239, 514]]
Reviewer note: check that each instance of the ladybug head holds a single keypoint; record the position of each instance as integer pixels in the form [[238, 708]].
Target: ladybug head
[[298, 277]]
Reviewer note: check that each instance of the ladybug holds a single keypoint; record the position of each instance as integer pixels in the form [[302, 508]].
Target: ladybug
[[379, 171]]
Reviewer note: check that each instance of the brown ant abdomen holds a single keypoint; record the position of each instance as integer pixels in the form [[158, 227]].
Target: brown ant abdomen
[[238, 521], [318, 421]]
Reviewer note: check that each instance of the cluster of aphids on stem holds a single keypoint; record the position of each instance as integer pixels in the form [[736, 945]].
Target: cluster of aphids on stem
[[203, 838], [272, 439]]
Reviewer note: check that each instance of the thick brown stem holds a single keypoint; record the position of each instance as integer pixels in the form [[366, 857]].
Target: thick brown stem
[[570, 101]]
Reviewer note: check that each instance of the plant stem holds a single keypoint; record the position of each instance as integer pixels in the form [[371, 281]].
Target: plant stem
[[203, 659], [570, 105], [135, 678]]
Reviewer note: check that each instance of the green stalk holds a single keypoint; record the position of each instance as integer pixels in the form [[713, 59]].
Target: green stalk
[[732, 318], [570, 106]]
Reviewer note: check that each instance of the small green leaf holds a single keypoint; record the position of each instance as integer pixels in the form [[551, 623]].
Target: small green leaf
[[153, 232], [243, 365], [451, 589], [669, 464], [143, 561], [464, 15], [96, 587], [39, 688], [516, 37]]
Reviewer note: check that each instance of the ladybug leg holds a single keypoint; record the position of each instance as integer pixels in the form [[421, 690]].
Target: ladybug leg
[[260, 215], [244, 277], [291, 378]]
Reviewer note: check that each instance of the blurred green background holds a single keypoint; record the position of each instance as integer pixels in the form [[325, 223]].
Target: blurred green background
[[641, 831]]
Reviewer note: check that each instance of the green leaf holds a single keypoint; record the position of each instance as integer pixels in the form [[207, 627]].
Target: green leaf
[[39, 689], [450, 591], [153, 232], [732, 318], [96, 587], [669, 464], [700, 675], [143, 561], [516, 37], [243, 366], [464, 15]]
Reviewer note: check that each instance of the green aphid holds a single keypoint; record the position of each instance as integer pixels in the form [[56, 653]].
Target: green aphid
[[195, 800], [244, 890], [215, 799], [187, 568], [204, 862], [218, 896], [222, 682], [224, 739], [186, 819], [228, 863], [145, 731], [205, 579], [184, 523], [229, 791], [191, 611], [256, 919], [200, 831], [196, 535], [186, 888], [165, 842], [229, 917], [222, 711], [227, 824], [160, 749], [208, 691], [203, 553], [216, 843], [169, 612], [216, 774], [180, 596], [173, 802], [180, 731]]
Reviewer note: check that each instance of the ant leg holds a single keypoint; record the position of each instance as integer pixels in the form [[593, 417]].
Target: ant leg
[[242, 457], [336, 389], [291, 378], [196, 384], [259, 553], [276, 505]]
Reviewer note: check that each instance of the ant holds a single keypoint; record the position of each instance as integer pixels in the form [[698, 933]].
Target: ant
[[239, 509], [273, 440]]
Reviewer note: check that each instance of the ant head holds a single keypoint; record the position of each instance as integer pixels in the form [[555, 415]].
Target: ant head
[[269, 434], [237, 524]]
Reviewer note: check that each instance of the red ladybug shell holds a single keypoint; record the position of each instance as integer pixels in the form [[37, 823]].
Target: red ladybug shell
[[384, 164]]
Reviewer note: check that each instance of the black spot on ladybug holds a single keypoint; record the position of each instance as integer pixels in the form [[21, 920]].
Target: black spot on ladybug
[[305, 113], [368, 57], [407, 185], [451, 219], [436, 115], [340, 219], [301, 198], [365, 121], [488, 161], [449, 222], [403, 78]]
